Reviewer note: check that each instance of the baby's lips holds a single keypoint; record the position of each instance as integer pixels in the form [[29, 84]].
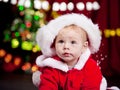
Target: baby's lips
[[66, 54]]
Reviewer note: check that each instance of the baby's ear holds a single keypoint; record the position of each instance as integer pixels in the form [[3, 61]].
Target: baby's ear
[[85, 46], [36, 78]]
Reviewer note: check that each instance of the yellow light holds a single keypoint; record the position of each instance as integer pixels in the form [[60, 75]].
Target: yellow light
[[112, 33], [36, 48], [8, 58], [34, 68], [2, 52], [37, 13], [14, 43], [118, 32], [41, 22], [29, 36], [107, 33]]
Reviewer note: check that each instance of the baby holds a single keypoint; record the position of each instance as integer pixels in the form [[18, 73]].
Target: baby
[[67, 43]]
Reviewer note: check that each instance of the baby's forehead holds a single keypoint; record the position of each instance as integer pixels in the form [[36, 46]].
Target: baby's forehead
[[75, 28]]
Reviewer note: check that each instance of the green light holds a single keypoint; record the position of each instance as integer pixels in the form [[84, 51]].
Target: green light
[[7, 37], [38, 48], [14, 27], [26, 45], [21, 8], [28, 17], [17, 34], [36, 17], [23, 25], [14, 43]]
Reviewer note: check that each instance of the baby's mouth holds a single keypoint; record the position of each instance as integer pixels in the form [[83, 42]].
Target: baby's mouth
[[66, 54]]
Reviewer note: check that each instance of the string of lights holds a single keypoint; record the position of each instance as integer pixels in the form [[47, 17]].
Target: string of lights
[[56, 6]]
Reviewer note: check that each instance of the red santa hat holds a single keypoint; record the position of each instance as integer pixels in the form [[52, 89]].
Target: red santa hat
[[46, 34]]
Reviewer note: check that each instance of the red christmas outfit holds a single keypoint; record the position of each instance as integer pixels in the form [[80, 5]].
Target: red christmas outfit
[[55, 75]]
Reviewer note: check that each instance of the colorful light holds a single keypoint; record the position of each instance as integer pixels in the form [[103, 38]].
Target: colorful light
[[28, 36], [34, 68], [55, 6], [45, 5], [26, 66], [26, 45], [107, 33], [21, 8], [36, 17], [63, 6], [118, 32], [7, 37], [28, 24], [5, 1], [70, 6], [112, 33], [36, 48], [2, 52], [14, 2], [96, 6], [21, 2], [89, 6], [37, 4], [17, 34], [80, 6], [17, 61], [22, 25], [14, 43], [8, 58], [27, 3]]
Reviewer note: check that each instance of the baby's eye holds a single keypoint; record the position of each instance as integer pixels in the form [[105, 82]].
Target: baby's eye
[[73, 42], [61, 41]]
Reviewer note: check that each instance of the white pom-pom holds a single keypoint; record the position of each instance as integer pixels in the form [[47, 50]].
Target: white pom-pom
[[103, 85], [36, 78], [113, 88]]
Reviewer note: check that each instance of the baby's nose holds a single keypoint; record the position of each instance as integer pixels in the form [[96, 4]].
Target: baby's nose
[[66, 46]]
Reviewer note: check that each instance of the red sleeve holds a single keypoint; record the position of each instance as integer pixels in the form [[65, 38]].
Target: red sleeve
[[49, 80], [92, 76]]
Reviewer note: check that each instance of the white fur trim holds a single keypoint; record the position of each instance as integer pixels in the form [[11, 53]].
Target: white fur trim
[[42, 62], [40, 59], [55, 64], [46, 35], [83, 59], [52, 63], [113, 88], [36, 78], [103, 85]]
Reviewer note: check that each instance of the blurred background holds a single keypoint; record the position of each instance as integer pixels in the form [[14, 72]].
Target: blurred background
[[19, 21]]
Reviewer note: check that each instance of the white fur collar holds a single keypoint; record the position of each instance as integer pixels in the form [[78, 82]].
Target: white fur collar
[[43, 61]]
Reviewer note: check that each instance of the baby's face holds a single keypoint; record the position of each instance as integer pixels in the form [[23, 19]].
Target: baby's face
[[70, 42]]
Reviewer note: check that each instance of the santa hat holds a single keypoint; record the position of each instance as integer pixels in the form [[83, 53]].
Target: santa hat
[[46, 34]]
